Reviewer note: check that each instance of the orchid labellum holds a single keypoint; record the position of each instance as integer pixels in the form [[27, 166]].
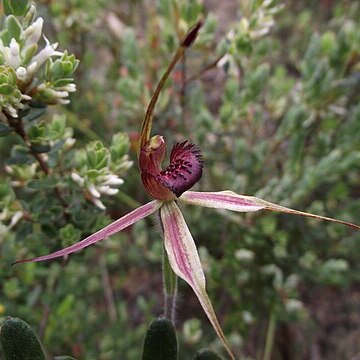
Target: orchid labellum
[[170, 185]]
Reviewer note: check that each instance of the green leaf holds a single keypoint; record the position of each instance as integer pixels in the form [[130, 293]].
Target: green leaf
[[7, 7], [5, 37], [39, 149], [19, 7], [5, 130], [64, 357], [160, 341], [63, 82], [13, 27], [6, 89], [35, 113], [19, 341], [29, 53]]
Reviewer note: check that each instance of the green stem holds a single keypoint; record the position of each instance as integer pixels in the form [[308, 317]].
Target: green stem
[[170, 287], [128, 200], [270, 336]]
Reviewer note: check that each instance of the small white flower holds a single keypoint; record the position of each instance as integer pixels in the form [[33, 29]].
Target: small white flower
[[32, 34], [63, 101], [77, 178], [112, 180], [11, 110], [61, 94], [46, 53], [93, 190], [68, 88], [98, 203], [107, 190], [12, 54], [25, 97]]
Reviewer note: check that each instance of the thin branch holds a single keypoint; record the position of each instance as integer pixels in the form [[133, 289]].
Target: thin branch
[[208, 67], [18, 126]]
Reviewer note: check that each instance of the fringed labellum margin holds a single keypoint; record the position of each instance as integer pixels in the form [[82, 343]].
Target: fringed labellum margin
[[184, 170]]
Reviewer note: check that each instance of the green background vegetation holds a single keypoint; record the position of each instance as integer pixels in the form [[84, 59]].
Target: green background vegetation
[[277, 115]]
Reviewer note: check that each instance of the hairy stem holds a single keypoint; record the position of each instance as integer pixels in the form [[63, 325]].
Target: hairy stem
[[170, 288]]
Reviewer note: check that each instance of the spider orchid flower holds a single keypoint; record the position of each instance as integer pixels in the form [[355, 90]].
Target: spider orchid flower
[[170, 186]]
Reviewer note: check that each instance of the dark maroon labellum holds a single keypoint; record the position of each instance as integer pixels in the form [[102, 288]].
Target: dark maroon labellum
[[184, 171]]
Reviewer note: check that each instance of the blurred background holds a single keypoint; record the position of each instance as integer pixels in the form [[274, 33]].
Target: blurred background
[[270, 93]]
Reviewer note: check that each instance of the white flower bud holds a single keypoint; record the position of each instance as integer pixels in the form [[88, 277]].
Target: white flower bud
[[61, 94], [68, 88], [21, 73], [94, 192], [112, 180], [12, 54], [63, 101], [98, 203], [107, 190], [11, 110], [32, 34], [77, 178]]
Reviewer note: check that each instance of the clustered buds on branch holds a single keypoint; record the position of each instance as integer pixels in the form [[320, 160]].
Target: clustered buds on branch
[[29, 73]]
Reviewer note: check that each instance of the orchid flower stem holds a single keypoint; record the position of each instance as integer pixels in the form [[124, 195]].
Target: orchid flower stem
[[170, 288], [127, 199], [270, 336], [147, 122]]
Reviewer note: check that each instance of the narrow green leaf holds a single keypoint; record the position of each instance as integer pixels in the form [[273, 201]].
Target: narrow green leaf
[[19, 7], [5, 37], [35, 113], [39, 149], [63, 82], [7, 7], [13, 27]]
